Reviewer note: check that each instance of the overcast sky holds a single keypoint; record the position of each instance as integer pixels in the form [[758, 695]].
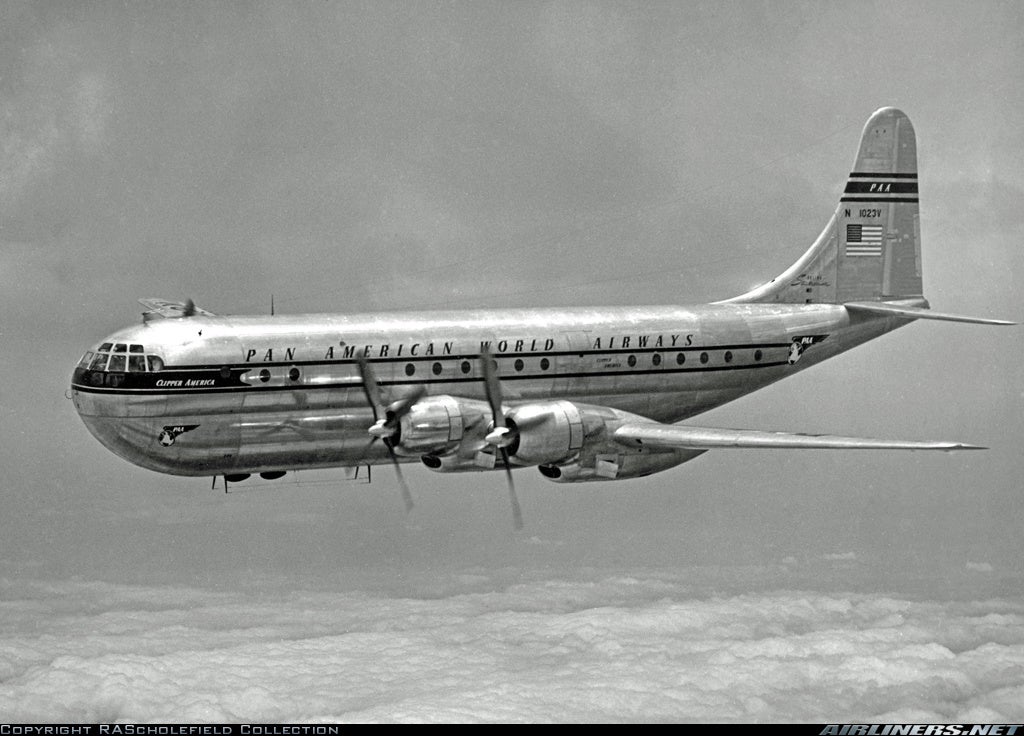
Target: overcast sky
[[349, 156]]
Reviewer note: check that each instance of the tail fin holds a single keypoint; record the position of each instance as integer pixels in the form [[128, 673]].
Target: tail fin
[[871, 248]]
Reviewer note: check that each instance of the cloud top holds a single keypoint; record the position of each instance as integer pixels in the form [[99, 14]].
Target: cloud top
[[609, 649]]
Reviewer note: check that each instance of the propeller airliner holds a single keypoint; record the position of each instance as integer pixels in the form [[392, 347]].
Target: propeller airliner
[[582, 394]]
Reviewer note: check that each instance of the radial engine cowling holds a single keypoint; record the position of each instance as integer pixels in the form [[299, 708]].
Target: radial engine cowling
[[434, 425], [546, 432]]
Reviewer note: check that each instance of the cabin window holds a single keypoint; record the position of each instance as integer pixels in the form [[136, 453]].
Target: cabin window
[[545, 364], [656, 359], [728, 356], [436, 368], [293, 374], [518, 365], [680, 358], [264, 375], [758, 355], [466, 367], [409, 369], [703, 357], [631, 360]]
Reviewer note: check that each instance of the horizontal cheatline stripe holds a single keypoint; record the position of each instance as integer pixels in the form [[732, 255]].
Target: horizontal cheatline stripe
[[476, 356], [881, 187], [883, 198], [863, 254], [880, 175], [428, 381]]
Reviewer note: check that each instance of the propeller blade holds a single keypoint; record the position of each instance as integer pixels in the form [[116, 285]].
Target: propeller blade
[[369, 381], [385, 429], [369, 445], [492, 385], [400, 408], [406, 495], [517, 513], [500, 435]]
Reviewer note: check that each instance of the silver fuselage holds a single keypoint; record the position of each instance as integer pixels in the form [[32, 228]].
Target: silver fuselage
[[271, 393]]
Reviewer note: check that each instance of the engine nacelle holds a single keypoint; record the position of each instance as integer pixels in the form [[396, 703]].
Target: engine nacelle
[[547, 432], [571, 443], [617, 466], [436, 424]]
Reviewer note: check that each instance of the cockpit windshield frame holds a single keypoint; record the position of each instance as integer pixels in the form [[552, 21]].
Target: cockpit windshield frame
[[120, 357]]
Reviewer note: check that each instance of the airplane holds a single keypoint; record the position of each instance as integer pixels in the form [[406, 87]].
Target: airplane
[[582, 394]]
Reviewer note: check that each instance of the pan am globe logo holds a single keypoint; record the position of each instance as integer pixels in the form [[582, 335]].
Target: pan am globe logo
[[169, 434], [800, 344]]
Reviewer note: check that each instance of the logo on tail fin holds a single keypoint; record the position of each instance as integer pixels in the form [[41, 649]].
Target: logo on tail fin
[[800, 344]]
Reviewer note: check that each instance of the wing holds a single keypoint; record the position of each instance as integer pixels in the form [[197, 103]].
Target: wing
[[163, 309], [705, 438]]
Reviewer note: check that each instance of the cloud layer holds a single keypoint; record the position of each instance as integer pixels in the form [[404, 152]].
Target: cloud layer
[[612, 648]]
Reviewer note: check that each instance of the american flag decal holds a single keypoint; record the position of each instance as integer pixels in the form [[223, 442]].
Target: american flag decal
[[863, 240]]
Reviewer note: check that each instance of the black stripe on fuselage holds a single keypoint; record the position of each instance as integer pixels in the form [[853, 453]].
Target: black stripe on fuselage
[[879, 175], [408, 381], [911, 200]]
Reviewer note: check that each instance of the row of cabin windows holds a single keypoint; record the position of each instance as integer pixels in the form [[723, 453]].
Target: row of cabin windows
[[121, 357], [519, 365]]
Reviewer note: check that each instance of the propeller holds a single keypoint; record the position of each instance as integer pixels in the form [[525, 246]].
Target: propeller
[[501, 434], [386, 427]]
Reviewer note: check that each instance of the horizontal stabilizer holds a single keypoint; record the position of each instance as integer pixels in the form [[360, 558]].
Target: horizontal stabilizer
[[897, 310], [163, 309], [705, 438]]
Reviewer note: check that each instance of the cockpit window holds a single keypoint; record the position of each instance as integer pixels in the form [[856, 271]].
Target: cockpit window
[[121, 357]]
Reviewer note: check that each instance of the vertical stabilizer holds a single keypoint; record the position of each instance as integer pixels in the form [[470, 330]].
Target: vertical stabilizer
[[871, 248]]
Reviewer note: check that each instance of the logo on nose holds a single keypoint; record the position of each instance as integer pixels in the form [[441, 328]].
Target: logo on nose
[[170, 434]]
